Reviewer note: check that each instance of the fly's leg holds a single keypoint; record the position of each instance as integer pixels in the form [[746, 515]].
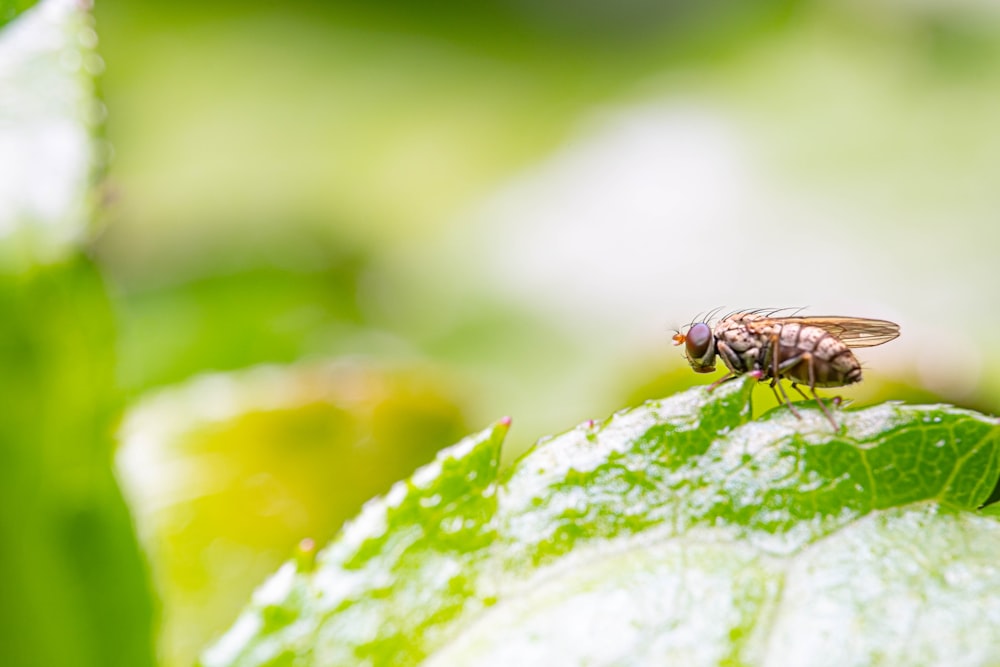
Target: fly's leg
[[807, 359], [795, 386], [727, 355], [791, 406], [836, 400], [725, 378], [784, 395], [777, 368], [812, 388]]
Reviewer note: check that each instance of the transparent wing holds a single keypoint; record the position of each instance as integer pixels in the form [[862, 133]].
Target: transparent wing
[[852, 331]]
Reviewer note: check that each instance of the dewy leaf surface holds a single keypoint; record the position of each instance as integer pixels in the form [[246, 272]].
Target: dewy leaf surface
[[678, 532]]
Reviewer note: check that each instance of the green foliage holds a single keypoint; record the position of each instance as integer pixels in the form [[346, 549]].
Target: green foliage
[[236, 320], [231, 464], [10, 9], [75, 590], [677, 532]]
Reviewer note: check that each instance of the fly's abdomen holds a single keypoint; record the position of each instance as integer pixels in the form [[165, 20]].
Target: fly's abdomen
[[833, 364]]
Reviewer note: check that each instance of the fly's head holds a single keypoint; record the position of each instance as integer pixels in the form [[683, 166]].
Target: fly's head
[[699, 346]]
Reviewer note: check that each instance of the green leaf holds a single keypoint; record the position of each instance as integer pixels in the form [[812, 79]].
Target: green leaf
[[678, 532], [231, 464], [237, 319], [75, 591], [11, 9]]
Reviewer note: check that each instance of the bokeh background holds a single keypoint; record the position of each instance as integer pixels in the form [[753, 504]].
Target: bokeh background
[[339, 236]]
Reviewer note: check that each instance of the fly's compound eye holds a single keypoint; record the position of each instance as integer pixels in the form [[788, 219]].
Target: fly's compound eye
[[697, 340]]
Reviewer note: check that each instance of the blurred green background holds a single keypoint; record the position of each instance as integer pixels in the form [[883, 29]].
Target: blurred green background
[[336, 237]]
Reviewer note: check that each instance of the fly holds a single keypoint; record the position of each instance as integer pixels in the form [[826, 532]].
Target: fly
[[811, 351]]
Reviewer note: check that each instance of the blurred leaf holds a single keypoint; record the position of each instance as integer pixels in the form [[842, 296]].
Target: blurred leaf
[[677, 532], [75, 590], [10, 9], [47, 151], [229, 472], [235, 320]]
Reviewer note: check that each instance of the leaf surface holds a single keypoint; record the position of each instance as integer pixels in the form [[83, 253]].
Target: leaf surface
[[677, 532]]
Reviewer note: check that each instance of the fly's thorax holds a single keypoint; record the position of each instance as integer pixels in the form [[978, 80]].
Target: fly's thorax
[[735, 334], [742, 349]]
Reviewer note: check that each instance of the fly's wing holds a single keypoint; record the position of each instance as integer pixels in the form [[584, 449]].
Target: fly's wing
[[852, 331]]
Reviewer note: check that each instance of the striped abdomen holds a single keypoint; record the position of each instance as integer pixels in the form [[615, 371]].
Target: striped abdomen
[[833, 363]]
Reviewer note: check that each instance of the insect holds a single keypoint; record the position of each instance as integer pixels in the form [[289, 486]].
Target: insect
[[814, 351]]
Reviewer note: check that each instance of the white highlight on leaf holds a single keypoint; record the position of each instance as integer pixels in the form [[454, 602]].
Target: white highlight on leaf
[[46, 150]]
